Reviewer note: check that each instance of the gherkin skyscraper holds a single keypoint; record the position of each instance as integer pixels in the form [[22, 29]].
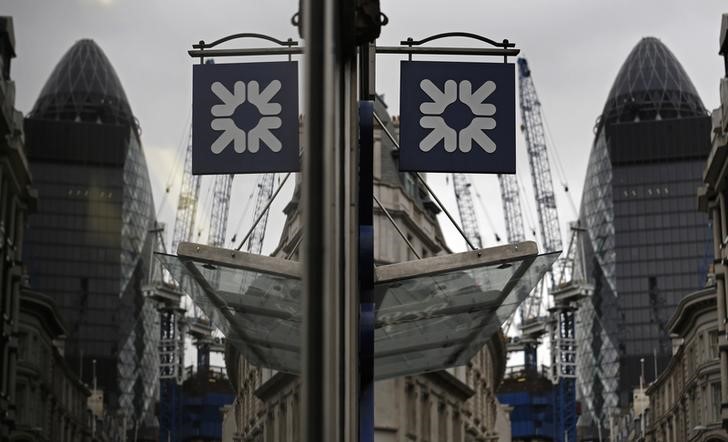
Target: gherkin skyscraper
[[645, 241], [88, 243]]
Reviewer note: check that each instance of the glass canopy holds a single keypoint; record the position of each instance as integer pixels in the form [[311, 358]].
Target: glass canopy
[[431, 314]]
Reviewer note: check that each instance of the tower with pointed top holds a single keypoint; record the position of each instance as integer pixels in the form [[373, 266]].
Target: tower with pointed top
[[89, 243], [645, 243]]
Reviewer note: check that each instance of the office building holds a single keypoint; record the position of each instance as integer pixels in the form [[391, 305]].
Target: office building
[[645, 243], [88, 245]]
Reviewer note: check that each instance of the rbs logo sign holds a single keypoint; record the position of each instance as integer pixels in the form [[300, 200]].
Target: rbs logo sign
[[245, 118], [457, 117]]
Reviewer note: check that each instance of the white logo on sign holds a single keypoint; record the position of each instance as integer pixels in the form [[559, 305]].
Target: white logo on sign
[[231, 133], [474, 132]]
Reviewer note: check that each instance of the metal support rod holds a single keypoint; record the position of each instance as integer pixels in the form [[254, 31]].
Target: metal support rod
[[317, 63], [394, 223], [197, 53], [262, 212], [424, 183], [404, 50], [396, 50]]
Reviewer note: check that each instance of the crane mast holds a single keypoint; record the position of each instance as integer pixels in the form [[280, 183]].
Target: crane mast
[[566, 297], [172, 324], [510, 197], [222, 187], [533, 130], [265, 193], [461, 184], [512, 208], [543, 188], [189, 193]]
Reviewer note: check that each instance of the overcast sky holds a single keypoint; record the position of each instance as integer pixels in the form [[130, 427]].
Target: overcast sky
[[574, 49]]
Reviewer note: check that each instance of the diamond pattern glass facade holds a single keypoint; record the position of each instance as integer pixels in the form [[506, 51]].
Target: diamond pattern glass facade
[[84, 86], [651, 84], [646, 244], [88, 243]]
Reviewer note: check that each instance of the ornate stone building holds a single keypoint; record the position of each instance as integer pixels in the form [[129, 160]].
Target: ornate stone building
[[457, 405], [712, 199], [51, 402], [684, 400], [16, 197]]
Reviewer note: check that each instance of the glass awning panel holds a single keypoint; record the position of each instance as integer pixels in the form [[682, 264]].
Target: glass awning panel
[[436, 321], [431, 314]]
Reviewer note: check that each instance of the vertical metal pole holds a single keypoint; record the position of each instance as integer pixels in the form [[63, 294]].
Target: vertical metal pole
[[329, 409], [366, 241], [366, 272], [313, 402]]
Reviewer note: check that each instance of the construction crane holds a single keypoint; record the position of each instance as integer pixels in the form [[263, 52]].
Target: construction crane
[[265, 193], [534, 132], [189, 194], [562, 322], [532, 326], [511, 208], [169, 299], [222, 188], [199, 326], [511, 200], [571, 288], [461, 184]]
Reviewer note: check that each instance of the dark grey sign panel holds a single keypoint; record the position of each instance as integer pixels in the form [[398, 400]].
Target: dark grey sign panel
[[457, 117], [245, 118]]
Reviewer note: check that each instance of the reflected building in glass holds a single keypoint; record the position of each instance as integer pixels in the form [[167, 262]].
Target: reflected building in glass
[[646, 245], [454, 405], [88, 244]]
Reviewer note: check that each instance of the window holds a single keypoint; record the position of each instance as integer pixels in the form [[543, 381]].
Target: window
[[296, 424], [442, 421], [21, 403], [456, 427], [715, 402], [713, 344], [411, 409], [409, 185], [270, 429], [426, 416], [282, 433]]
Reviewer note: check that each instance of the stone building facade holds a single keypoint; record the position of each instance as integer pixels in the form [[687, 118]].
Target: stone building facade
[[457, 405], [712, 198], [684, 401], [16, 198], [51, 402]]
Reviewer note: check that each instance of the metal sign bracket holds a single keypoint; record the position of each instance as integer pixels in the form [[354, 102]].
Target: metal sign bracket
[[410, 46], [288, 47]]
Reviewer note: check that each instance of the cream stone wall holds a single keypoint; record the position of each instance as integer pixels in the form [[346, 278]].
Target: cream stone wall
[[684, 401]]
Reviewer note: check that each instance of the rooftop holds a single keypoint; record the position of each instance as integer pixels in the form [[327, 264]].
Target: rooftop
[[84, 87], [651, 85]]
